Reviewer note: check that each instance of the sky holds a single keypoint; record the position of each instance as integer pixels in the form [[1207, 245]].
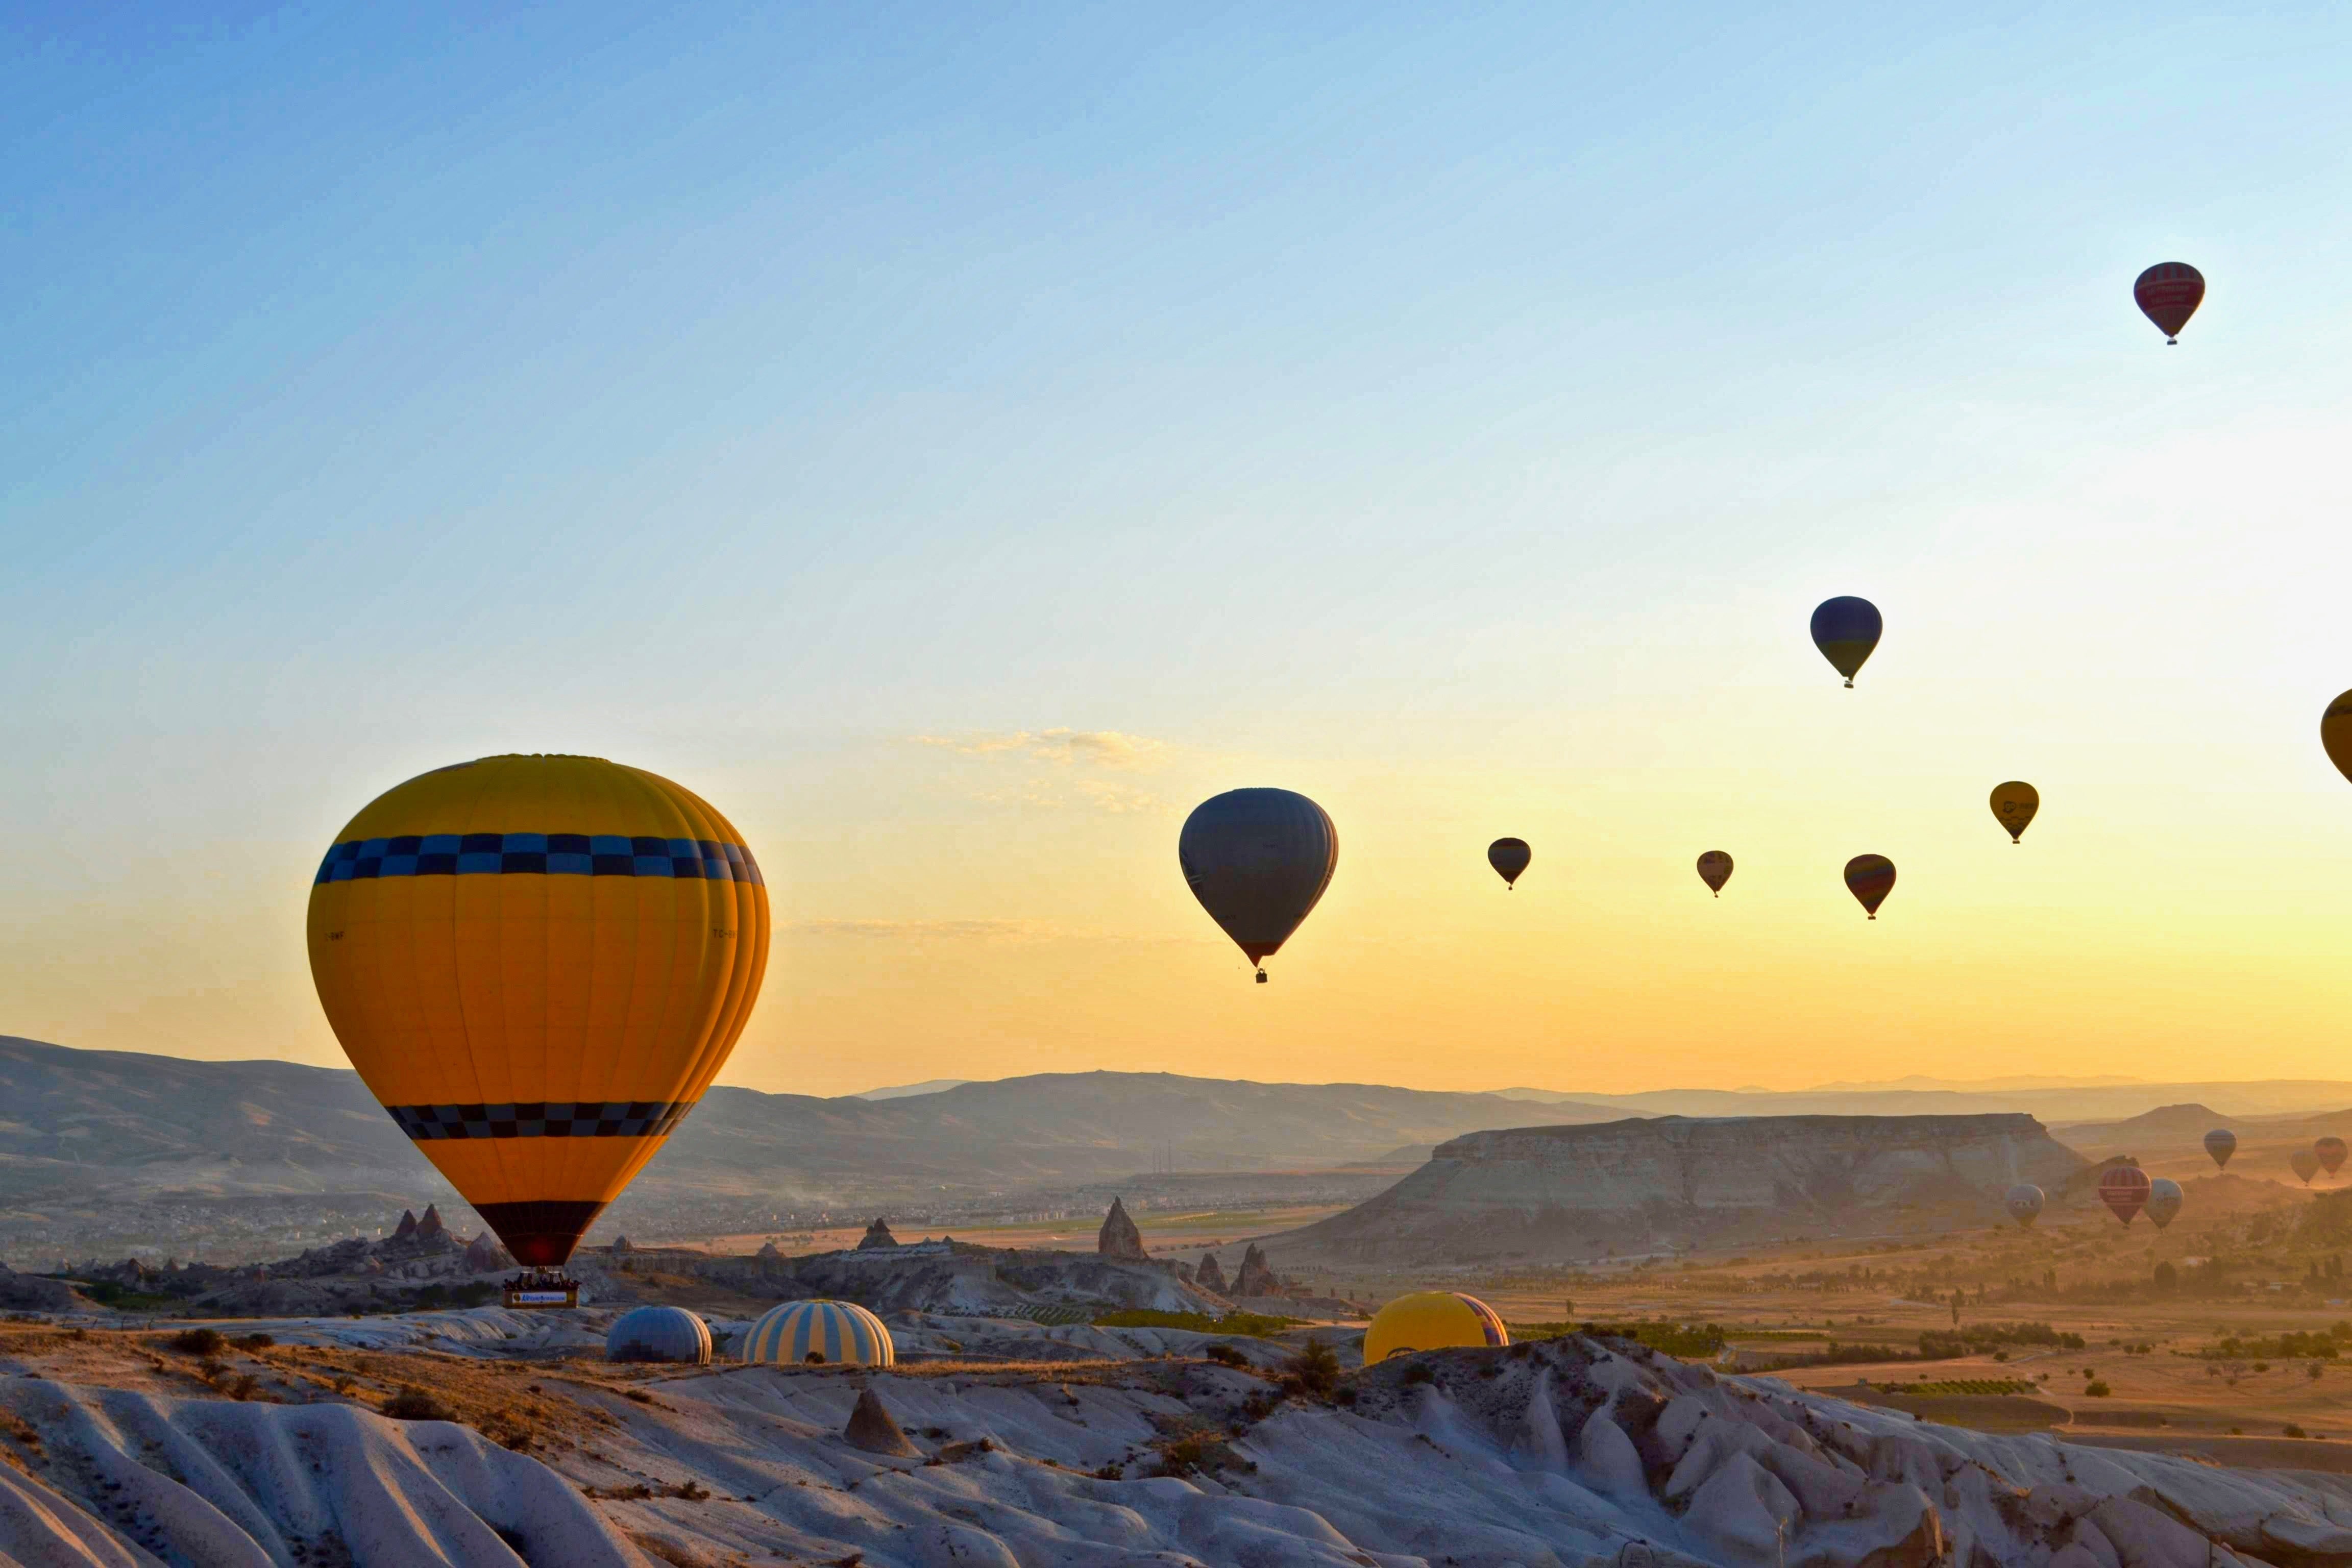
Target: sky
[[955, 440]]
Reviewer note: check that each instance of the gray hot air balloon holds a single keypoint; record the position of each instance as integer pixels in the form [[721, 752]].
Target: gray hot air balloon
[[2023, 1202], [1509, 857], [1258, 859], [2163, 1201], [2303, 1163], [2221, 1143]]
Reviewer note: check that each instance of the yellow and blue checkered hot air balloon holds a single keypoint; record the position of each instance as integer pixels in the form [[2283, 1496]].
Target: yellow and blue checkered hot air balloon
[[538, 966], [800, 1333]]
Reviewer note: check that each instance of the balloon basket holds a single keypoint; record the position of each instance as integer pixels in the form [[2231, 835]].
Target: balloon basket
[[539, 1290]]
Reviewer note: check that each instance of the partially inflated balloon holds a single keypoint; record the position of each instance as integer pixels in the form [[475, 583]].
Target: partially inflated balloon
[[2335, 732], [1870, 878], [2330, 1151], [2169, 294], [537, 964], [1430, 1321], [1715, 870], [1258, 860], [1846, 630], [1509, 857], [2014, 806], [2221, 1143], [2124, 1188], [2163, 1201], [2303, 1163], [2023, 1202]]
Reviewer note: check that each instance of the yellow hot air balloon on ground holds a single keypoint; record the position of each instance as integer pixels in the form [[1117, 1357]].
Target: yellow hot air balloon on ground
[[1432, 1319], [537, 964]]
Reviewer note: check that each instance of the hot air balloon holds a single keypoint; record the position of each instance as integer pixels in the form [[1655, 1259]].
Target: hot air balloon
[[2124, 1188], [2163, 1201], [2303, 1163], [2014, 806], [1428, 1320], [1715, 870], [1258, 859], [2335, 732], [1870, 878], [2169, 294], [538, 966], [1846, 630], [2221, 1143], [2330, 1151], [799, 1334], [2023, 1202], [1509, 857], [658, 1333]]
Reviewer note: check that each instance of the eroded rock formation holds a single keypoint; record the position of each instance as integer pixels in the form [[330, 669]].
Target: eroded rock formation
[[1119, 1238], [1256, 1276], [1211, 1275], [877, 1235]]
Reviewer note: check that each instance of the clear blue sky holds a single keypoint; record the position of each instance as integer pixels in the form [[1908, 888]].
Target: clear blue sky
[[1421, 406]]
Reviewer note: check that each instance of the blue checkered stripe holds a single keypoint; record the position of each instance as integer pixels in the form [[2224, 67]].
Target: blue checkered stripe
[[539, 854], [584, 1119]]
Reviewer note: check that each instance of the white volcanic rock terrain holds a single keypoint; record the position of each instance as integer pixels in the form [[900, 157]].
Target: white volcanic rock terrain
[[1571, 1452], [1675, 1182]]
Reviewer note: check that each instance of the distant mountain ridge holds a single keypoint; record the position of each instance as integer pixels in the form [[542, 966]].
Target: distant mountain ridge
[[2057, 1106], [80, 1123]]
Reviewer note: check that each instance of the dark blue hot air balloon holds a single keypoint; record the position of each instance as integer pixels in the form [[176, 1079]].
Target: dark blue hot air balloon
[[1258, 860], [1846, 629]]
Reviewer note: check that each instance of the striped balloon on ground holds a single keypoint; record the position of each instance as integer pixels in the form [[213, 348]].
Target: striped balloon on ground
[[658, 1333], [804, 1333]]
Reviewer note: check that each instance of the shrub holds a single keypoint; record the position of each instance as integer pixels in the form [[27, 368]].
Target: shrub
[[2291, 1430], [1419, 1371], [412, 1403], [2312, 1371], [1225, 1355], [199, 1341], [257, 1341], [1317, 1368], [2096, 1389]]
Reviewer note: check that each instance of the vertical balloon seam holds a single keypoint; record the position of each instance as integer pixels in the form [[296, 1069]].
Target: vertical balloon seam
[[724, 1018]]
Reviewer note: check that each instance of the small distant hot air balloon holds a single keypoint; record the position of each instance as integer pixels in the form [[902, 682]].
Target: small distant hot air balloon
[[1846, 630], [2023, 1202], [2221, 1143], [2303, 1163], [1715, 870], [2169, 294], [2335, 732], [1258, 860], [2330, 1151], [2163, 1201], [2123, 1189], [1509, 857], [1870, 878], [2014, 806]]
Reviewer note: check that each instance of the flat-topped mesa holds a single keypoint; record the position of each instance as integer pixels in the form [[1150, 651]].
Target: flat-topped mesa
[[1672, 1183]]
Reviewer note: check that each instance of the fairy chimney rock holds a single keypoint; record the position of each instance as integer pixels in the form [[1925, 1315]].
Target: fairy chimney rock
[[1254, 1277], [771, 1253], [1119, 1238], [430, 1225], [1211, 1275], [407, 1225], [483, 1254], [877, 1235], [873, 1428]]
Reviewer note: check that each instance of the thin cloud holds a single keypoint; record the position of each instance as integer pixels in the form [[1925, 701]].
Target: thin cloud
[[1063, 747], [920, 930]]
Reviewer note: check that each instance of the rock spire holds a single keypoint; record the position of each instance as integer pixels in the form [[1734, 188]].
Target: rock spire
[[1120, 1238]]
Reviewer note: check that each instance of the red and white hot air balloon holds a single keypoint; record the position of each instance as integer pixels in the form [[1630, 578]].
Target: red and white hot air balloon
[[2123, 1189]]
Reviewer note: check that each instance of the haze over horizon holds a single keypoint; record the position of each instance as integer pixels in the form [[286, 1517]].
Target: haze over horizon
[[955, 446]]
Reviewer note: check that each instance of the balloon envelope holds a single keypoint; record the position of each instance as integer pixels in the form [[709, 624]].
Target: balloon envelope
[[1715, 870], [1258, 859], [537, 964], [2330, 1151], [1870, 878], [2014, 806], [1846, 630], [2163, 1201], [799, 1334], [1428, 1320], [2221, 1143], [2023, 1202], [2124, 1188], [2335, 732], [2169, 294], [1509, 857], [2303, 1163]]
